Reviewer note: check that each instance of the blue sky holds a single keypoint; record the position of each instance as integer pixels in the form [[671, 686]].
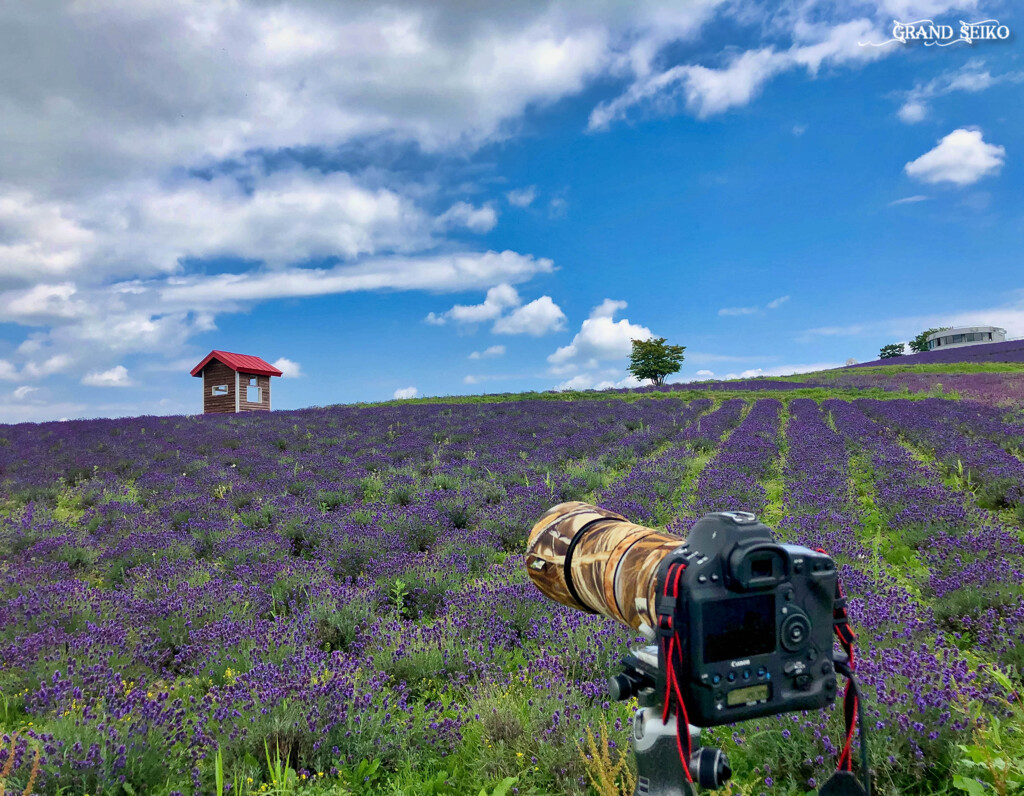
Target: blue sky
[[419, 199]]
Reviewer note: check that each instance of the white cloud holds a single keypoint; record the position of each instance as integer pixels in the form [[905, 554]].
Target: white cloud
[[147, 228], [972, 77], [586, 381], [774, 304], [288, 368], [522, 197], [502, 305], [783, 370], [739, 311], [912, 111], [57, 363], [24, 391], [492, 351], [539, 317], [463, 214], [799, 129], [599, 339], [706, 374], [962, 158], [402, 393], [1009, 316], [442, 272], [498, 299], [8, 371], [116, 100], [471, 380], [906, 200], [707, 91], [117, 376]]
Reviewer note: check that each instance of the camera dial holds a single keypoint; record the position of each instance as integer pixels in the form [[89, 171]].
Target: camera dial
[[796, 630]]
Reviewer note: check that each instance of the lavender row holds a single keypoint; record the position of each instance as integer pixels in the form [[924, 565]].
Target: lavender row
[[908, 695], [973, 565]]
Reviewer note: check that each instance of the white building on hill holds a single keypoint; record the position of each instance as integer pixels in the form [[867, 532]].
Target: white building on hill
[[965, 335]]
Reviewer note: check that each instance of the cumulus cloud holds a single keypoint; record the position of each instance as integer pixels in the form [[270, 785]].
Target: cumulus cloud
[[402, 393], [288, 368], [522, 197], [24, 391], [502, 305], [38, 369], [8, 371], [117, 376], [492, 351], [539, 317], [705, 374], [147, 228], [498, 299], [600, 339], [962, 158]]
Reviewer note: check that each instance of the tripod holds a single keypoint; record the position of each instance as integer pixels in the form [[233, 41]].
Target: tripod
[[655, 742]]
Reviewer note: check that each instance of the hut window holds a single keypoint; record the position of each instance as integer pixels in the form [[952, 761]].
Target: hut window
[[219, 389], [253, 395]]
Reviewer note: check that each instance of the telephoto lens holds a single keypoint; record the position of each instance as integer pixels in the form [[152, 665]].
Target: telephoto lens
[[595, 560]]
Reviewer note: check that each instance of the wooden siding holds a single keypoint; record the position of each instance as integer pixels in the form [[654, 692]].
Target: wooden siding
[[263, 382], [218, 373]]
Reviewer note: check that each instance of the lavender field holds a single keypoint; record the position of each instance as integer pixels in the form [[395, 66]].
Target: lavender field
[[333, 600]]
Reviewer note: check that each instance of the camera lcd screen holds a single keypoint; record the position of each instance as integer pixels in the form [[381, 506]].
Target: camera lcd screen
[[744, 696], [739, 628]]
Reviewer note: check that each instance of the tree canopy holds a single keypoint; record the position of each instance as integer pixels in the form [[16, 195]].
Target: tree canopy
[[920, 343], [654, 359], [891, 350]]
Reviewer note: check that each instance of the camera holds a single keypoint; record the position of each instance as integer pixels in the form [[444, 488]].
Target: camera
[[743, 627], [754, 623]]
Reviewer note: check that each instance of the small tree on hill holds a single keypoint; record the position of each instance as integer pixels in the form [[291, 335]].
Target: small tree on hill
[[891, 350], [653, 359], [920, 343]]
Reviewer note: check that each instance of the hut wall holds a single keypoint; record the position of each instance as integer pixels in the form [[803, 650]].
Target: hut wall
[[217, 373]]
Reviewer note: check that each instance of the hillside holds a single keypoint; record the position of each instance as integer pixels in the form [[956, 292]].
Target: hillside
[[339, 592]]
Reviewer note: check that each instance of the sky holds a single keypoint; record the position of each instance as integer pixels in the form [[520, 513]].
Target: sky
[[441, 198]]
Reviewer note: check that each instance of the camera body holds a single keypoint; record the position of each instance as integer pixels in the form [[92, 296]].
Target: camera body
[[753, 619]]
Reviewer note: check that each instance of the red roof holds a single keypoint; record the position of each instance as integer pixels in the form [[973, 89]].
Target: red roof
[[243, 363]]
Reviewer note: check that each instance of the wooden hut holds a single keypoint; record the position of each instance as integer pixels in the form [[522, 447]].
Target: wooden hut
[[235, 382]]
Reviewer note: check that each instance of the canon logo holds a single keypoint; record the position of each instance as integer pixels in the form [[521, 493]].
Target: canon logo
[[734, 664]]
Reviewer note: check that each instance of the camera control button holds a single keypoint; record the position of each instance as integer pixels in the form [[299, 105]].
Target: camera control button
[[746, 674], [731, 676], [798, 567], [826, 668], [702, 579], [802, 682], [761, 671], [714, 578], [793, 667], [716, 679]]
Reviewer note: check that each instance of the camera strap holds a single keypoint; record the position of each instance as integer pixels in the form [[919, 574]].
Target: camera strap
[[672, 653], [843, 781]]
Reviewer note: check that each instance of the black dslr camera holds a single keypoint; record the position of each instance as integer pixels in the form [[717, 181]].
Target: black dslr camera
[[755, 621], [746, 630]]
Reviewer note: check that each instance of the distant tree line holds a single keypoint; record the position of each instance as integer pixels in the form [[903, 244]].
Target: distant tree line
[[917, 346]]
